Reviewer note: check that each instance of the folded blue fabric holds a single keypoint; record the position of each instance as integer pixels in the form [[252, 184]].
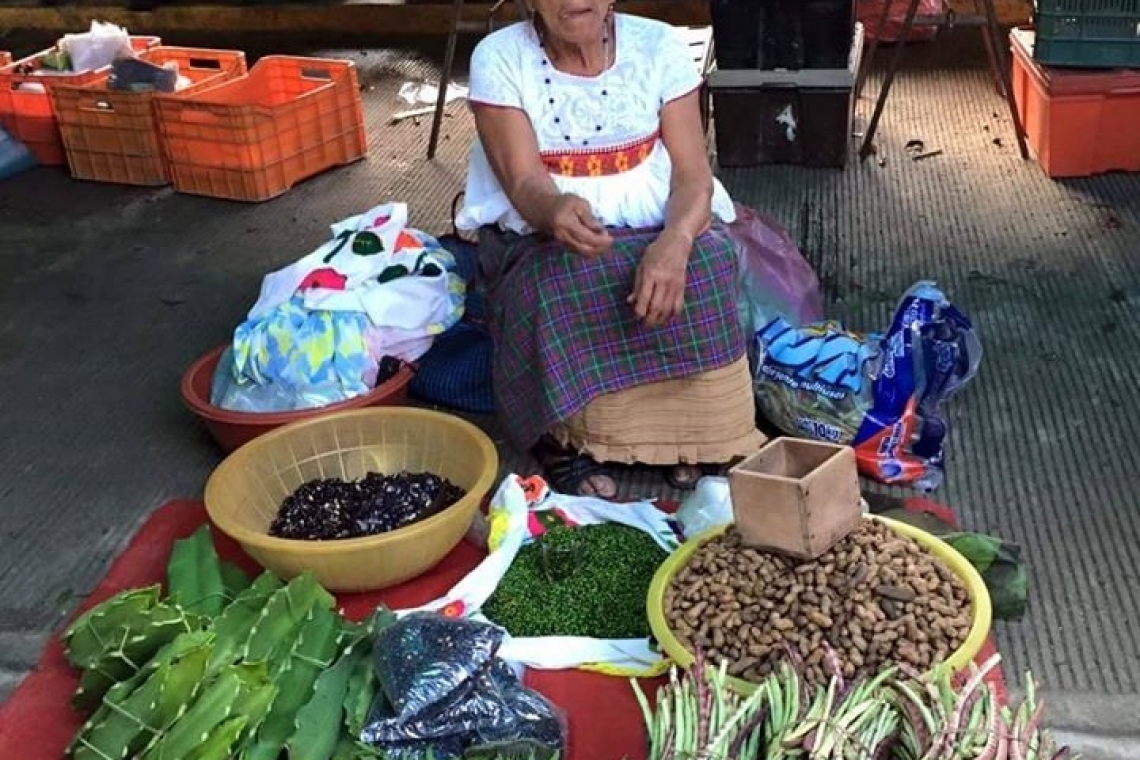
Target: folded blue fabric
[[457, 371]]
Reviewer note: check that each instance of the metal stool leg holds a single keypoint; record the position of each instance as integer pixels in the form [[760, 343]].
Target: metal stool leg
[[892, 70], [991, 54], [1006, 76], [445, 79]]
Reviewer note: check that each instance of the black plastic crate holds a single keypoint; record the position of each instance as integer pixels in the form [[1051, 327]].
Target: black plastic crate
[[782, 34], [1088, 33], [786, 117]]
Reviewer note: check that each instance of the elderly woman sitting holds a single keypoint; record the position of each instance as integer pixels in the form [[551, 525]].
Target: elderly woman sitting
[[611, 277]]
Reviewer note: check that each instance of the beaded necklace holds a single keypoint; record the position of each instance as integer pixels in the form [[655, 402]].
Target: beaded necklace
[[548, 71]]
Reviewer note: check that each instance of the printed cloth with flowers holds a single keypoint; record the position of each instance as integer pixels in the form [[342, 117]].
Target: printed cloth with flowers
[[515, 519], [322, 325]]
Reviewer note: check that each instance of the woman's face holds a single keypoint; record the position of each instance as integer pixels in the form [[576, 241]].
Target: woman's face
[[574, 21]]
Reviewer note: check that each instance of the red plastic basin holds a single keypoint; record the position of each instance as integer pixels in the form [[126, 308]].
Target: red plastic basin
[[233, 429]]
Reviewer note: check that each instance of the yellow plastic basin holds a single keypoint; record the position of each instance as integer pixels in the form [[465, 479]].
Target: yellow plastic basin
[[245, 492], [959, 659]]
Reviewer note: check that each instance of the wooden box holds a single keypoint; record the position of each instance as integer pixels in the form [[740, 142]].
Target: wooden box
[[796, 497]]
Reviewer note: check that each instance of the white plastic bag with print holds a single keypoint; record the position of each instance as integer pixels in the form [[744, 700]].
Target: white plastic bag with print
[[95, 49], [514, 521]]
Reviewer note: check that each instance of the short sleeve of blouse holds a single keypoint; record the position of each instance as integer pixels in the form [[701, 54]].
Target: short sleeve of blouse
[[494, 77], [679, 74]]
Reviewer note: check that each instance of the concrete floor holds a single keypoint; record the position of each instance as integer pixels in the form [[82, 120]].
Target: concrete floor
[[110, 292]]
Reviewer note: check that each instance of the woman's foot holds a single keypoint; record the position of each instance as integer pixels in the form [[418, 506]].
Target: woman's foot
[[684, 477], [574, 474]]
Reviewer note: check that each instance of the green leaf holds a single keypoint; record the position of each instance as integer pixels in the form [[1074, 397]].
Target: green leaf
[[319, 722], [194, 575], [234, 580]]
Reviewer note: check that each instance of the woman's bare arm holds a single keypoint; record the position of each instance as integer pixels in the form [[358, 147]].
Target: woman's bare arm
[[688, 212], [512, 150], [509, 142], [659, 286]]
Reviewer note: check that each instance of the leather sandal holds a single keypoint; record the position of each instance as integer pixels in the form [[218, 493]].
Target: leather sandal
[[568, 471]]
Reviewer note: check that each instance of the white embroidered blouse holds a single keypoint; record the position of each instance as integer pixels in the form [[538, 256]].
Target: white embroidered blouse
[[575, 115]]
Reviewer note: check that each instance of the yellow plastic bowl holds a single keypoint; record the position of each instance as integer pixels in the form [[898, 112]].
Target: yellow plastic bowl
[[959, 659], [245, 492]]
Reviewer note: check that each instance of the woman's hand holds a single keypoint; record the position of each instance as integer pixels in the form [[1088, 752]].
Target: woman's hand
[[572, 223], [659, 285]]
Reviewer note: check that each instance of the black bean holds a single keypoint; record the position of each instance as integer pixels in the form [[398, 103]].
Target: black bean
[[330, 509]]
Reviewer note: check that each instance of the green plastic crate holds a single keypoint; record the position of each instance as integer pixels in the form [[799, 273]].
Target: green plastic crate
[[1088, 33]]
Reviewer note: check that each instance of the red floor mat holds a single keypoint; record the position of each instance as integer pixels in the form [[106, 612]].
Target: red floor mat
[[37, 722]]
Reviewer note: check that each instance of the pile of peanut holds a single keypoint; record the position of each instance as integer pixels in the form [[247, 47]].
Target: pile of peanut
[[877, 598]]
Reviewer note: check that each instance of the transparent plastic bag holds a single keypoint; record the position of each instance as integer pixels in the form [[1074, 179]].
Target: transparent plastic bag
[[97, 48], [776, 281], [708, 506], [879, 393], [493, 707], [444, 694], [295, 359], [424, 658], [242, 395]]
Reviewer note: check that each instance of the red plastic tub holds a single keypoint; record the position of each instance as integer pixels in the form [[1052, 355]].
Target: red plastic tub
[[233, 429]]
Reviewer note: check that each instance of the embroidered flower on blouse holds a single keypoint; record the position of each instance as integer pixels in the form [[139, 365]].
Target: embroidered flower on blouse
[[594, 166]]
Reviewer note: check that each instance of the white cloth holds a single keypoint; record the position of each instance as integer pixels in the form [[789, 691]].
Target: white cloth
[[406, 313], [652, 67], [387, 222]]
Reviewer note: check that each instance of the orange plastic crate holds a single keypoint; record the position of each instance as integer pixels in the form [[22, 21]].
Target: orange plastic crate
[[1079, 123], [112, 136], [252, 139], [25, 107]]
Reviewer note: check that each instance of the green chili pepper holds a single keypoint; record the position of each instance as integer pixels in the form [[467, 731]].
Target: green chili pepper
[[587, 581]]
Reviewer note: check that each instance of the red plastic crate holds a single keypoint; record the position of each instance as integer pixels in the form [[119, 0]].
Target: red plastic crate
[[112, 136], [1079, 123], [252, 139], [25, 107]]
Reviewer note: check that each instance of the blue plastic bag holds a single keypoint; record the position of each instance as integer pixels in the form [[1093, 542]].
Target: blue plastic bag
[[14, 156], [879, 393]]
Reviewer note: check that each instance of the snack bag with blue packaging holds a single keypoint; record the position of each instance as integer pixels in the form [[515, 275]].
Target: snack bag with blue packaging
[[880, 393]]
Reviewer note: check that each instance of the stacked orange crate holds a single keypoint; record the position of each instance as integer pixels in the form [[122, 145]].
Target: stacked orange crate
[[255, 137], [1078, 122], [25, 106], [112, 135]]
